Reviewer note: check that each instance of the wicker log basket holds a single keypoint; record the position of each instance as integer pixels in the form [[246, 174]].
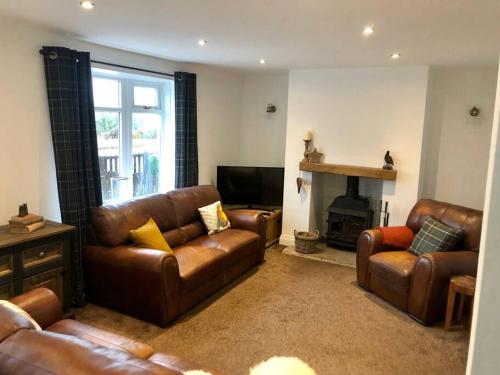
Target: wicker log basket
[[305, 242]]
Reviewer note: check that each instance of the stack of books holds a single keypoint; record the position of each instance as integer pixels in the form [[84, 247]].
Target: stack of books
[[26, 224]]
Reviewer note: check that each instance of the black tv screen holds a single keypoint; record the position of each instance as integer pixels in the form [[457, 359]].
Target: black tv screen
[[251, 186]]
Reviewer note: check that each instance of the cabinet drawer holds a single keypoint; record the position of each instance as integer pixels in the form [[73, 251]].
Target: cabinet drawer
[[5, 265], [6, 291], [52, 280], [34, 256]]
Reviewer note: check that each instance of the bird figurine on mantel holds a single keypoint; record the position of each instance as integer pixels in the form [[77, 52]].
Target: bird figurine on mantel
[[389, 163]]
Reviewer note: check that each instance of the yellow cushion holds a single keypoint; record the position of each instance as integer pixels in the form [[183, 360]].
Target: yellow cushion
[[149, 237]]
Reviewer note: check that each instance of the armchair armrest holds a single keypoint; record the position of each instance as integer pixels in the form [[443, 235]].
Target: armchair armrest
[[252, 221], [42, 304], [144, 283], [430, 281], [369, 243]]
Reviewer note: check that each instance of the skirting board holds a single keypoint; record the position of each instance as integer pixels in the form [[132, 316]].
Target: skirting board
[[287, 240]]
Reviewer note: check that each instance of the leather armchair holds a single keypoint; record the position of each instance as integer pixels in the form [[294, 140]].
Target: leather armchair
[[419, 285]]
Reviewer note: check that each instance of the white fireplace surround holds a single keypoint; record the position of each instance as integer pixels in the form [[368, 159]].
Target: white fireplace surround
[[355, 116]]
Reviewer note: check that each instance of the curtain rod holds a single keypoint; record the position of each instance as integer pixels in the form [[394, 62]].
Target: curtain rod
[[132, 68], [117, 65]]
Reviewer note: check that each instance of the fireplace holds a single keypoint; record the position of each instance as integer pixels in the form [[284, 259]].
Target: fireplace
[[348, 216]]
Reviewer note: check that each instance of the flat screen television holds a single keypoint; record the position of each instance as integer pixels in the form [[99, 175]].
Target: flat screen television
[[251, 186]]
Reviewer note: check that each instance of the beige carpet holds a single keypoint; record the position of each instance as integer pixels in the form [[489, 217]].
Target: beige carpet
[[297, 307], [327, 254]]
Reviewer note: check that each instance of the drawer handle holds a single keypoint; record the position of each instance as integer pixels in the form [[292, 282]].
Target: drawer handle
[[41, 255]]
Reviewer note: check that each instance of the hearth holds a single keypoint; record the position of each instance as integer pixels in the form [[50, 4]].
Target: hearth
[[348, 216]]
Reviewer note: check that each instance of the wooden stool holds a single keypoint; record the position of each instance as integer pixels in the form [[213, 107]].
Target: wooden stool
[[465, 286]]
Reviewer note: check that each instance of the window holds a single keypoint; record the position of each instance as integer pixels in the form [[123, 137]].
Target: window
[[135, 134]]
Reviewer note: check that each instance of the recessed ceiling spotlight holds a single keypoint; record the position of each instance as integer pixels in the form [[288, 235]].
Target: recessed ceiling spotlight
[[262, 61], [202, 42], [87, 4], [395, 55], [368, 30]]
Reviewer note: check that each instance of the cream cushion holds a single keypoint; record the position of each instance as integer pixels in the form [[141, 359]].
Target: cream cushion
[[214, 218]]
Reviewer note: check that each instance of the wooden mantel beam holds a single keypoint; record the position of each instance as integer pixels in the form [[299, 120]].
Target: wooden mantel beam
[[349, 170]]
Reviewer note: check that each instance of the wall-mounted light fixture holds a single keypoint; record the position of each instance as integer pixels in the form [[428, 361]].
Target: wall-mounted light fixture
[[474, 111], [271, 108]]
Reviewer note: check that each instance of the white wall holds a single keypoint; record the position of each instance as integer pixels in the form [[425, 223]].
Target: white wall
[[355, 116], [485, 335], [262, 136], [456, 145], [28, 173]]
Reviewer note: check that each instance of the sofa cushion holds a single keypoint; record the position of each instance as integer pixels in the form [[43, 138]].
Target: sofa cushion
[[395, 267], [434, 236], [193, 230], [398, 237], [101, 337], [174, 237], [214, 218], [149, 236], [236, 243], [198, 264], [209, 255], [186, 202], [111, 224]]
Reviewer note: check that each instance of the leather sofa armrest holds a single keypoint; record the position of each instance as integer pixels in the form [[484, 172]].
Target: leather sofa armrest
[[430, 281], [369, 243], [144, 283], [252, 221], [42, 304]]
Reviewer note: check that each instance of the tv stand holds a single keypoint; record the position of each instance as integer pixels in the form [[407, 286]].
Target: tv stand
[[273, 216]]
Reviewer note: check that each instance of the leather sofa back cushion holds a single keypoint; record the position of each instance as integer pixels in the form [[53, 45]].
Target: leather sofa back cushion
[[186, 202], [112, 223], [458, 217]]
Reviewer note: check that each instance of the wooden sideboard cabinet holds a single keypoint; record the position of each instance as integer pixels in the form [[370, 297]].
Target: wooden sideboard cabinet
[[37, 259]]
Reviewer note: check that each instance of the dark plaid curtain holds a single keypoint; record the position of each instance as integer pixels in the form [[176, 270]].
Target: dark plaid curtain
[[71, 107], [186, 138]]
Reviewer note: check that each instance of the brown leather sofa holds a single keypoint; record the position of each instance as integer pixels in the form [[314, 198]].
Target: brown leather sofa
[[70, 347], [152, 284], [419, 285]]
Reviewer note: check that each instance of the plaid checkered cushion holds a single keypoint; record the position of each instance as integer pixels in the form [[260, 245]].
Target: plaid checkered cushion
[[434, 236]]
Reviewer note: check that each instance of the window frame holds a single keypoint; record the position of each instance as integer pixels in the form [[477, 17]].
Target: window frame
[[165, 108], [156, 86]]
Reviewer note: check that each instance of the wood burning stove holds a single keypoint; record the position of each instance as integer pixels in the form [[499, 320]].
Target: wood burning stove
[[348, 216]]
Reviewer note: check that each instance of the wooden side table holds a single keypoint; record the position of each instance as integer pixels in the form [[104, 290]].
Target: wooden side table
[[465, 286], [37, 259]]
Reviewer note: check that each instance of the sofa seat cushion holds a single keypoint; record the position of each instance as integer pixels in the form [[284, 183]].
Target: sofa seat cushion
[[102, 338], [198, 264], [236, 243], [210, 255], [395, 267]]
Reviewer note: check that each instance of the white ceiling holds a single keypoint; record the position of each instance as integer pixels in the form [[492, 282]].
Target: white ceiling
[[287, 33]]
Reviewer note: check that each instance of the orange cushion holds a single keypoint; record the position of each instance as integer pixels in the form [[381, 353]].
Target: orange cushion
[[399, 237]]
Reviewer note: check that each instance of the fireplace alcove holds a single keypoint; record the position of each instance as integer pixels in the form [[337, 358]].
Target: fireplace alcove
[[342, 213]]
